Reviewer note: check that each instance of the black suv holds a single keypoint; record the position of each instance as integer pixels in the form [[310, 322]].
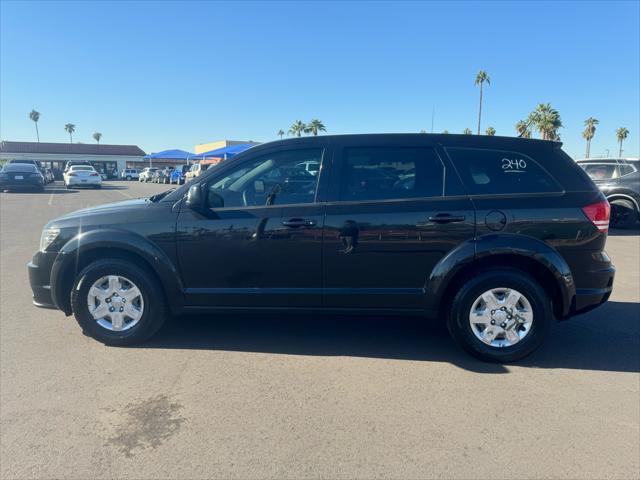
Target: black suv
[[619, 180], [495, 236]]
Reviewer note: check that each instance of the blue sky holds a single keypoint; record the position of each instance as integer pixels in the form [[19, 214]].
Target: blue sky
[[170, 75]]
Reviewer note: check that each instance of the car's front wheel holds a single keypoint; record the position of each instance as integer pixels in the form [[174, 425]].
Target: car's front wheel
[[500, 315], [117, 302]]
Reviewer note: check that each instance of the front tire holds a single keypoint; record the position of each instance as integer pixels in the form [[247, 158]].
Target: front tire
[[99, 302], [500, 315]]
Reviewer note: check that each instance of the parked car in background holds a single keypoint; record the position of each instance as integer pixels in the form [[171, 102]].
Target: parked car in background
[[311, 167], [497, 237], [162, 175], [48, 175], [619, 180], [130, 174], [71, 163], [178, 174], [196, 170], [21, 176], [82, 176], [147, 174]]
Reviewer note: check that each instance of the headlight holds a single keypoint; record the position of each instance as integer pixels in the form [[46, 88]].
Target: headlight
[[47, 238]]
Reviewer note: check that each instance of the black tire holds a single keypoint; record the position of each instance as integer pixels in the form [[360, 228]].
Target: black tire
[[458, 317], [154, 313], [623, 214], [128, 178]]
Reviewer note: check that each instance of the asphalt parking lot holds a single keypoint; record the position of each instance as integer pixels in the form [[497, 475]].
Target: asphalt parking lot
[[290, 397]]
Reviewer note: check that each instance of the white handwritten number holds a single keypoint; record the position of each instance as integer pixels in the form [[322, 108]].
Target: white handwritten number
[[513, 164]]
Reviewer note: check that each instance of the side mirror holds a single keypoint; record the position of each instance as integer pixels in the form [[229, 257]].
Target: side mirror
[[194, 197], [214, 200]]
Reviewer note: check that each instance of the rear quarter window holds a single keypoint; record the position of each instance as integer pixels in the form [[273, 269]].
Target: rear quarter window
[[497, 172]]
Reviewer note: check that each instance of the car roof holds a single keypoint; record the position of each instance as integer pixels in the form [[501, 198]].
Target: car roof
[[608, 160]]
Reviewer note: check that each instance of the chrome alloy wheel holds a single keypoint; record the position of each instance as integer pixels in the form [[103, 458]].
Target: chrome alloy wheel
[[501, 317], [115, 302]]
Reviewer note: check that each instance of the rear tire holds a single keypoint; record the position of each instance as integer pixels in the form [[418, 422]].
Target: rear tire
[[623, 214], [464, 307], [153, 311]]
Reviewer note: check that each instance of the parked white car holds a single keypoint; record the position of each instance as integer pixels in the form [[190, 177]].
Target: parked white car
[[130, 174], [82, 176], [147, 174]]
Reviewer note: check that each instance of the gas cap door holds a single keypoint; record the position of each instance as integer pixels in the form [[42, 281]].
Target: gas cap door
[[495, 220]]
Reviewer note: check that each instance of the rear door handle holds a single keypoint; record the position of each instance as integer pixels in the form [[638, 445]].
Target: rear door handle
[[298, 222], [446, 218]]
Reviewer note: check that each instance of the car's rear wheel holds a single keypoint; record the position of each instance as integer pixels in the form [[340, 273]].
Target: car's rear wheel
[[623, 214], [117, 302], [500, 315], [128, 178]]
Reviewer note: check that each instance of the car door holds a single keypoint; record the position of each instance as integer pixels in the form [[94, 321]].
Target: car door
[[395, 210], [258, 241]]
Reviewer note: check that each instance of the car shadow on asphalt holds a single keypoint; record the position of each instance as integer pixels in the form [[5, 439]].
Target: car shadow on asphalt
[[606, 339], [617, 232]]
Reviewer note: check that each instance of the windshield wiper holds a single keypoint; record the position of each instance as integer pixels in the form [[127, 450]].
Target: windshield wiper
[[160, 196]]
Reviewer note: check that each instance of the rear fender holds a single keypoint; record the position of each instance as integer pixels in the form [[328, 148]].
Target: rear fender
[[503, 245]]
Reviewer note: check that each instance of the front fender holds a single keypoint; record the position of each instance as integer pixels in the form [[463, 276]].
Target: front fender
[[494, 245], [70, 257]]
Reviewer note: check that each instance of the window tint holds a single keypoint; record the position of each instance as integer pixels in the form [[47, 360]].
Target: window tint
[[19, 167], [626, 169], [491, 172], [383, 173], [277, 178]]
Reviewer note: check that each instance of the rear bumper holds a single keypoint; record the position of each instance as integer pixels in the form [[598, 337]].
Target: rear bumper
[[600, 286]]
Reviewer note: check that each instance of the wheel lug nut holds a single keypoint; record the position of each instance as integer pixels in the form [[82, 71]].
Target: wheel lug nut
[[504, 309], [509, 317], [503, 325], [108, 300], [492, 312], [111, 309], [493, 322], [121, 309]]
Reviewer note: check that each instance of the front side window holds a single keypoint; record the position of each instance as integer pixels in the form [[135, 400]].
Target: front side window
[[387, 173], [278, 178], [495, 172]]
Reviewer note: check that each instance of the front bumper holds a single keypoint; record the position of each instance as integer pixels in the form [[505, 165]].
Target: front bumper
[[39, 269]]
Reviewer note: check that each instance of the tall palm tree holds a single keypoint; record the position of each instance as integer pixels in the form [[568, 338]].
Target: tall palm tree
[[481, 77], [314, 126], [70, 128], [297, 128], [97, 136], [467, 131], [621, 134], [35, 116], [523, 130], [589, 132], [490, 131], [547, 120], [280, 133]]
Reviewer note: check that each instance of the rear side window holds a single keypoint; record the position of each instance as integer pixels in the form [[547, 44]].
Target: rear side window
[[495, 172], [386, 173]]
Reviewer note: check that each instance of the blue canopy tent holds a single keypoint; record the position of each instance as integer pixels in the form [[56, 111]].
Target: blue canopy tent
[[225, 152], [169, 155]]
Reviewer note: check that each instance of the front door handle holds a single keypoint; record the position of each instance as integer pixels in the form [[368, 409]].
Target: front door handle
[[446, 218], [298, 223]]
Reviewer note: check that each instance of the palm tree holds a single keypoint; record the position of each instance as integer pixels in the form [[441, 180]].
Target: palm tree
[[490, 131], [297, 128], [315, 126], [97, 136], [467, 131], [70, 128], [481, 77], [35, 116], [589, 132], [621, 134], [547, 120], [523, 130], [280, 133]]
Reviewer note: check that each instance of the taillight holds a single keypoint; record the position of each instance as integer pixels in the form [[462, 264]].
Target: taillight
[[599, 214], [72, 175]]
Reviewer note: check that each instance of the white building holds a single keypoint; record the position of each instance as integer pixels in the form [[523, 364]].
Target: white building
[[107, 159]]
